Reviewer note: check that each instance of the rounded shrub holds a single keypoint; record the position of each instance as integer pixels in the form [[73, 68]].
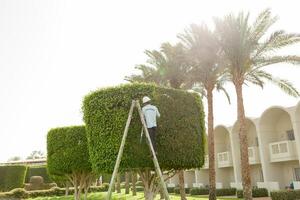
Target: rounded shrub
[[67, 150], [37, 171], [180, 135]]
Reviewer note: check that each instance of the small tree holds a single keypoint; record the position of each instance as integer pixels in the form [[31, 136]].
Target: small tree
[[68, 156]]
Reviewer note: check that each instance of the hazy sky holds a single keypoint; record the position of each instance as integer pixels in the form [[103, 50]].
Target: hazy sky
[[54, 52]]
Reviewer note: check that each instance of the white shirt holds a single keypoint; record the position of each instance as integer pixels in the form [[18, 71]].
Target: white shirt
[[150, 113]]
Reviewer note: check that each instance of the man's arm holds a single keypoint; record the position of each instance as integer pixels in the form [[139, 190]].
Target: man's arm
[[157, 113]]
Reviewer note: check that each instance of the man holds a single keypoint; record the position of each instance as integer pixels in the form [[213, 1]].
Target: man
[[150, 114]]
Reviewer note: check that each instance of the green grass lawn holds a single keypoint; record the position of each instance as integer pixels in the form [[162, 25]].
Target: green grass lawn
[[140, 195]]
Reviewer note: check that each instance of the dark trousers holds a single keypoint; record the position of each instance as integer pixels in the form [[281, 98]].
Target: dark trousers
[[152, 133]]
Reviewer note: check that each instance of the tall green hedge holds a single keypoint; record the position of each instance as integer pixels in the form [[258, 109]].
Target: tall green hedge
[[37, 171], [180, 136], [67, 150], [12, 176]]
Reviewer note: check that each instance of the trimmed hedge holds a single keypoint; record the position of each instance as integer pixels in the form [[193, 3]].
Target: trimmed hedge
[[219, 192], [67, 150], [226, 192], [177, 190], [199, 191], [285, 195], [171, 189], [256, 192], [55, 191], [37, 171], [12, 176], [180, 136]]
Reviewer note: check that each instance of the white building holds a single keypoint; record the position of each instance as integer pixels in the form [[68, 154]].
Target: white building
[[274, 152]]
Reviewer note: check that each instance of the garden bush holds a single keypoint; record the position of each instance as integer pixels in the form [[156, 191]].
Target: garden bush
[[180, 138], [256, 192], [226, 192], [67, 150], [177, 190], [37, 171], [171, 189], [37, 183], [55, 191], [12, 176], [199, 191], [285, 195]]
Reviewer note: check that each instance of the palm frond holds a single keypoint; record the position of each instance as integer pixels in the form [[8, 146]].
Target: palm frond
[[283, 84], [262, 23], [265, 60]]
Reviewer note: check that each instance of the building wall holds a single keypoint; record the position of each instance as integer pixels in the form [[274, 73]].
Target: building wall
[[270, 127]]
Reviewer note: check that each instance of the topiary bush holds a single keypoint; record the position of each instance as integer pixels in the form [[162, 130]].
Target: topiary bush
[[38, 171], [12, 176], [67, 150], [180, 137]]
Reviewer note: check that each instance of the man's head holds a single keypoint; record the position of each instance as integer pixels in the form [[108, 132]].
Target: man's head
[[146, 100]]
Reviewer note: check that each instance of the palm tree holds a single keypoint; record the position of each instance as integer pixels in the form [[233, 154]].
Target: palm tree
[[166, 67], [249, 49], [207, 71]]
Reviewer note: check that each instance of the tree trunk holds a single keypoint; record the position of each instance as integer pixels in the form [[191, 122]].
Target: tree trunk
[[150, 187], [127, 183], [246, 178], [118, 187], [85, 193], [211, 146], [67, 189], [161, 193], [133, 177], [181, 185]]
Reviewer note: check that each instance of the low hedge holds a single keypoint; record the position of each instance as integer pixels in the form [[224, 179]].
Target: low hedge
[[256, 192], [171, 189], [139, 188], [226, 192], [219, 192], [12, 176], [285, 195], [199, 191], [21, 193], [37, 171], [177, 190]]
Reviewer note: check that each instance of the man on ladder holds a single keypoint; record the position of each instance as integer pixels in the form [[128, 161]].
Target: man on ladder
[[150, 113]]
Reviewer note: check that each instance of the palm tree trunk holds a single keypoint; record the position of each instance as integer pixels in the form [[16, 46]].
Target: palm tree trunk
[[211, 146], [181, 184], [246, 178]]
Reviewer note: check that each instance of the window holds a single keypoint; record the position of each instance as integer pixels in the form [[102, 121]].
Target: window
[[290, 134], [297, 174]]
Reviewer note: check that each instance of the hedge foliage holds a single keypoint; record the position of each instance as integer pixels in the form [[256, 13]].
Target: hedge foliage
[[219, 192], [180, 135], [67, 150], [177, 190], [12, 176], [21, 193], [285, 195], [256, 192], [38, 171]]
